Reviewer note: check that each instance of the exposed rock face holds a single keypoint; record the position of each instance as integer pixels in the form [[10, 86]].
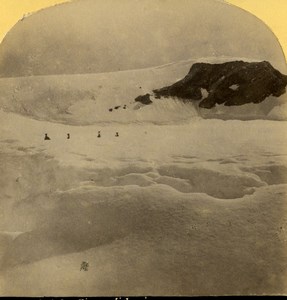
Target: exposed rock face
[[145, 99], [230, 83]]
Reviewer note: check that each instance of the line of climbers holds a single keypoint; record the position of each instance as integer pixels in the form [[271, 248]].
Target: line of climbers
[[47, 138]]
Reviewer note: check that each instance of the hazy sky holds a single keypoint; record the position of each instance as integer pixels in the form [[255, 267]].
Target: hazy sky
[[272, 12]]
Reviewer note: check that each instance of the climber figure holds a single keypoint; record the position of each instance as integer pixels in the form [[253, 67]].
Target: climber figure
[[99, 134], [68, 136], [117, 134], [46, 137]]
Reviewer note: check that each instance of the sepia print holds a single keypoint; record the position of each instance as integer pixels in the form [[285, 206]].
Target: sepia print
[[143, 151]]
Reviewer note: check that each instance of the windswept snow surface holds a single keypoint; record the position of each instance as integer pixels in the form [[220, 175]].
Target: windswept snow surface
[[194, 208]]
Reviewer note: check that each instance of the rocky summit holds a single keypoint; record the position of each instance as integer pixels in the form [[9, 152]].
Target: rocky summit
[[230, 83]]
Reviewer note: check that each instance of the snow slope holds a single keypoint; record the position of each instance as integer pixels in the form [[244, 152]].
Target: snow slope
[[87, 99], [192, 208]]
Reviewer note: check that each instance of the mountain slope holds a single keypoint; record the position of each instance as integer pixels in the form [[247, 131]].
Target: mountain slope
[[109, 97]]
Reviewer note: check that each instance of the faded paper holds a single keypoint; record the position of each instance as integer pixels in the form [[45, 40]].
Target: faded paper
[[143, 151]]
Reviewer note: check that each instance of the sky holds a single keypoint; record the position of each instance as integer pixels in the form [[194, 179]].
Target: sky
[[272, 12]]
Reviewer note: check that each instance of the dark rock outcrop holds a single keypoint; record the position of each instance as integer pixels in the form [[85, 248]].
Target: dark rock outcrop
[[230, 83], [145, 99]]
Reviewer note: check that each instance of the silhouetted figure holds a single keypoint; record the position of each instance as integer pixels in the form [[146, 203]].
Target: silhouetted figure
[[110, 109], [99, 134], [68, 136], [46, 137], [125, 107], [117, 107], [117, 134]]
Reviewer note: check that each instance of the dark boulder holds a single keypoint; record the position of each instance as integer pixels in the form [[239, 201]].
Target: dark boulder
[[230, 83], [145, 99]]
